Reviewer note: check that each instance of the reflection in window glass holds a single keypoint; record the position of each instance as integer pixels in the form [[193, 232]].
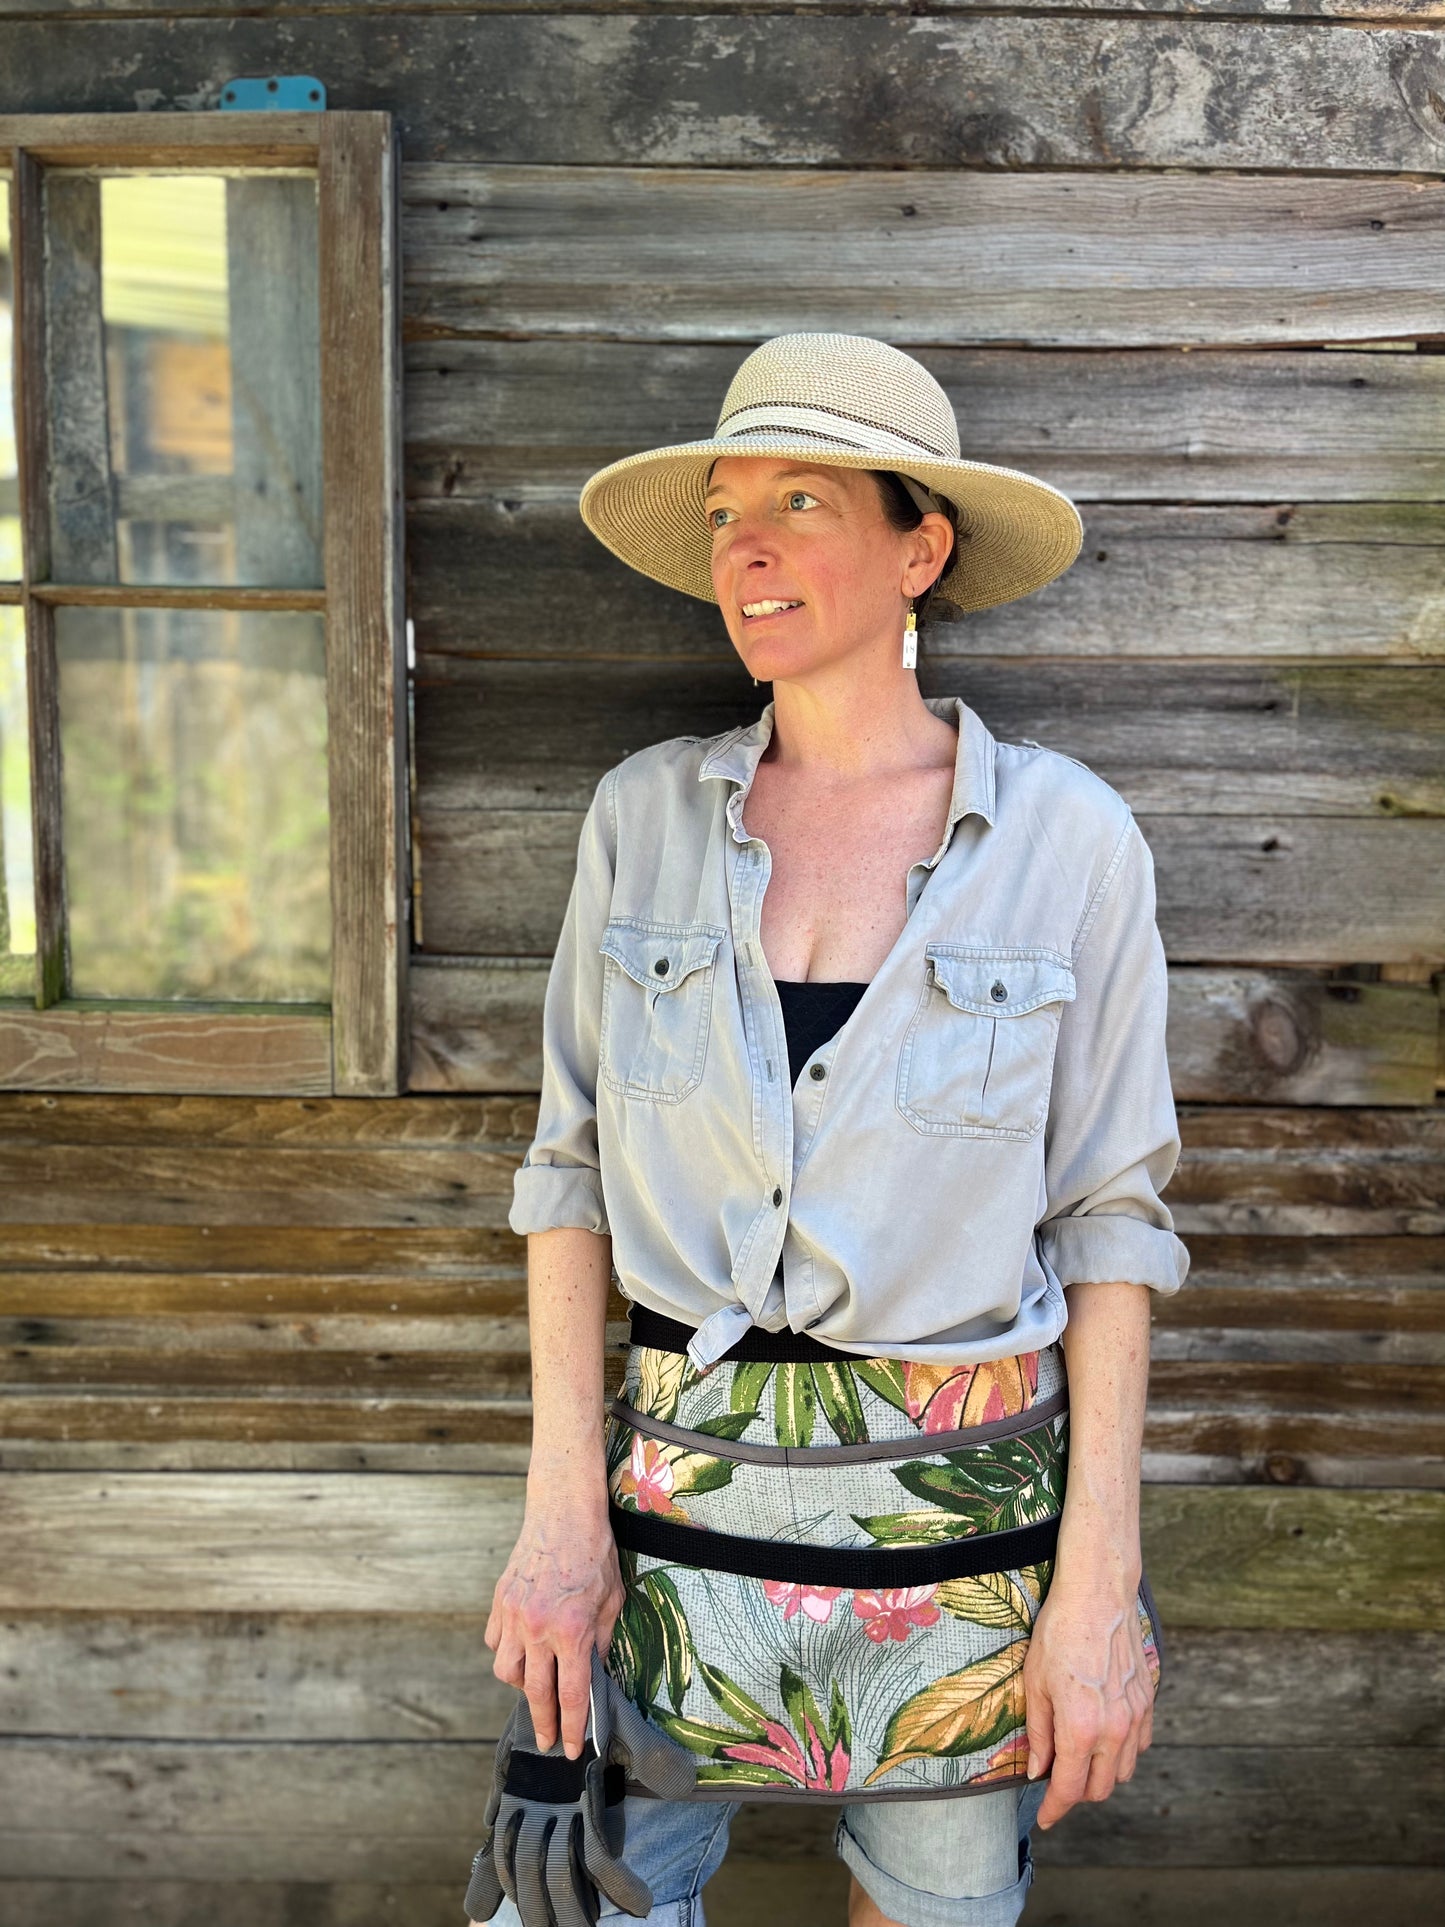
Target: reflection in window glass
[[9, 486], [193, 746], [184, 369], [17, 844]]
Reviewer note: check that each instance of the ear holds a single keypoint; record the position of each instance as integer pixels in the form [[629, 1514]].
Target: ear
[[927, 554]]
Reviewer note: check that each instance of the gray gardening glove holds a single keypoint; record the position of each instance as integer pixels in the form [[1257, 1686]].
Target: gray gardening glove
[[554, 1826]]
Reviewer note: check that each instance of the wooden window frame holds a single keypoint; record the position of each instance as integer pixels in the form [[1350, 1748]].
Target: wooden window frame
[[359, 1045]]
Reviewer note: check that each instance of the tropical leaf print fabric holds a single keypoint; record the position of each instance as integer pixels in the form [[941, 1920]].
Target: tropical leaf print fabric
[[796, 1691]]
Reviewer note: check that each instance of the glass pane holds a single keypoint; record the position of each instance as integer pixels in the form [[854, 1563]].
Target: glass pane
[[193, 748], [183, 344], [17, 843], [9, 485]]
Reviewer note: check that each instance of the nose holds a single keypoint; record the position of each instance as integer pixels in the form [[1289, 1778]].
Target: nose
[[753, 544]]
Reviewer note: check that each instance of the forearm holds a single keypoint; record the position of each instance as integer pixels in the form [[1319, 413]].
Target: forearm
[[1106, 1353], [568, 1274]]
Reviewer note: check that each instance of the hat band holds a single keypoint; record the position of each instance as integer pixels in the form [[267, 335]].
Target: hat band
[[825, 423]]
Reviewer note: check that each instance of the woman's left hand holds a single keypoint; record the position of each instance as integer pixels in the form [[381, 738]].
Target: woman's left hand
[[1087, 1687]]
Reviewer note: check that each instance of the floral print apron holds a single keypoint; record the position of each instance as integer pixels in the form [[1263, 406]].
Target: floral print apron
[[793, 1686]]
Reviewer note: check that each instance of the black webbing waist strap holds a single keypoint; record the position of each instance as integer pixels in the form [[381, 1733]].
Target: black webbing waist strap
[[866, 1567], [756, 1346], [556, 1781]]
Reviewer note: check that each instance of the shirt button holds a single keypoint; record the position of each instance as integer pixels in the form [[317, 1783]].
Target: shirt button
[[818, 1072], [999, 992], [662, 966], [778, 1194]]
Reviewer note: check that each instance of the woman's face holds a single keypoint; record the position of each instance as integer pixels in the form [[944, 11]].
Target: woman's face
[[806, 567]]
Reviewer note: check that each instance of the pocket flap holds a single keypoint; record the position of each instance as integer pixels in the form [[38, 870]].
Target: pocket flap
[[1000, 983], [661, 955]]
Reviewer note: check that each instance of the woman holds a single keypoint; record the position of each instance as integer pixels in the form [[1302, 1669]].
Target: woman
[[864, 1526]]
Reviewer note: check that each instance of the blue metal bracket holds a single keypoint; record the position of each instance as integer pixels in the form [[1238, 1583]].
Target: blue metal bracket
[[275, 93]]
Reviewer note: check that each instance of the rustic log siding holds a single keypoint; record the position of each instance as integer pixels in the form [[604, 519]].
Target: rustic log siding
[[874, 89], [265, 1369]]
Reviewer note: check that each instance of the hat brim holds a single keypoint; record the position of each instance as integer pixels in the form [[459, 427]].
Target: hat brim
[[1015, 533]]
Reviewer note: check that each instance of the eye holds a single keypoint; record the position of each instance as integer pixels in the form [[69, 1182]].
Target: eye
[[801, 499], [717, 518]]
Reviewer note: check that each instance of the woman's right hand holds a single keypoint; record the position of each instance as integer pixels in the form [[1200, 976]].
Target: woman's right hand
[[557, 1600]]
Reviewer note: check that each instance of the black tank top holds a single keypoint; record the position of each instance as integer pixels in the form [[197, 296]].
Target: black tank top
[[812, 1013]]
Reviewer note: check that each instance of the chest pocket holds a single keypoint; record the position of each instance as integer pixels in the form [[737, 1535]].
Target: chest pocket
[[978, 1055], [656, 1007]]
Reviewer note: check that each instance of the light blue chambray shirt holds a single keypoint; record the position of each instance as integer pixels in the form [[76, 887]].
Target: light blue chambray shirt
[[993, 1122]]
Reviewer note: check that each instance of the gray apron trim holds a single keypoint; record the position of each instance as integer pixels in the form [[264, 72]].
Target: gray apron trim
[[715, 1790], [924, 1445], [1146, 1593]]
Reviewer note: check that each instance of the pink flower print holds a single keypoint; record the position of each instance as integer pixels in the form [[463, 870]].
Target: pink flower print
[[941, 1398], [817, 1770], [891, 1613], [815, 1601], [652, 1475], [935, 1394]]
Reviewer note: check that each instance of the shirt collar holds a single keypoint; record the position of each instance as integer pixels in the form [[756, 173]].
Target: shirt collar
[[737, 756]]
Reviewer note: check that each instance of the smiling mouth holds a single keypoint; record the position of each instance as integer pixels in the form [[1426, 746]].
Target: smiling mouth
[[752, 611]]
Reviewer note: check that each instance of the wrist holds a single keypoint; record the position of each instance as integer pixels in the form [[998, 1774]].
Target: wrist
[[1098, 1560], [567, 1483]]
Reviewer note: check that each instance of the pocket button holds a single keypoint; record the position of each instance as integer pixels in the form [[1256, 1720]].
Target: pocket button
[[662, 966], [999, 992]]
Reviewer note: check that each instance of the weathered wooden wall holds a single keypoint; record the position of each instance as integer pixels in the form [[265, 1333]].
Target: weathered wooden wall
[[266, 1399]]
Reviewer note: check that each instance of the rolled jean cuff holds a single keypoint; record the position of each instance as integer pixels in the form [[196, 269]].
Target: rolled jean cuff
[[911, 1907]]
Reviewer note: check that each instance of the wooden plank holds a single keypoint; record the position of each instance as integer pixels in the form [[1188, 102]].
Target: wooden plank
[[748, 1892], [1199, 1807], [535, 418], [1277, 889], [496, 1442], [1301, 1171], [68, 1184], [201, 1119], [1015, 90], [1217, 1557], [365, 625], [1235, 1036], [1294, 1896], [314, 1677], [1325, 1172], [479, 1420], [401, 1254], [1418, 12], [527, 581], [222, 1049], [1318, 738], [168, 1810], [265, 1302], [1098, 259]]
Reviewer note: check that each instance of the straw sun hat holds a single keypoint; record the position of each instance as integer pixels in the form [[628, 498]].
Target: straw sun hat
[[841, 401]]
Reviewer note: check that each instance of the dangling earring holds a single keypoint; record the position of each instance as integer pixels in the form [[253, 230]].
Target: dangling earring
[[910, 638], [755, 682]]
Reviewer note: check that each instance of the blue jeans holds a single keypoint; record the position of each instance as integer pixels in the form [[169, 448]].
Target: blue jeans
[[961, 1862]]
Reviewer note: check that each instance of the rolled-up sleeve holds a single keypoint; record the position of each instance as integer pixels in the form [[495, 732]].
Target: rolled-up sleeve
[[1113, 1135], [559, 1182]]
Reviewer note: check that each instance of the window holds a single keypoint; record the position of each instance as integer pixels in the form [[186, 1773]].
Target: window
[[203, 862]]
